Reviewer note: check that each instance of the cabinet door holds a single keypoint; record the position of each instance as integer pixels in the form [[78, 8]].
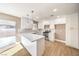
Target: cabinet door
[[68, 32], [26, 23], [72, 31]]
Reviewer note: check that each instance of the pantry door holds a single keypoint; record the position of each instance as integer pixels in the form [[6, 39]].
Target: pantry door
[[60, 32]]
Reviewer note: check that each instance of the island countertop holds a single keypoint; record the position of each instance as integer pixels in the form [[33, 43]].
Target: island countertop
[[32, 37]]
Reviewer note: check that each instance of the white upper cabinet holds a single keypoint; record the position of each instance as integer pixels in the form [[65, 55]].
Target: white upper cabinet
[[26, 23]]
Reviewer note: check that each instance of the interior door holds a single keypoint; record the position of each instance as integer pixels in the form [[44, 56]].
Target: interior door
[[60, 31]]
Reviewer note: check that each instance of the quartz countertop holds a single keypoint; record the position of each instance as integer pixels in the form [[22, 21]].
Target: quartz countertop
[[32, 37]]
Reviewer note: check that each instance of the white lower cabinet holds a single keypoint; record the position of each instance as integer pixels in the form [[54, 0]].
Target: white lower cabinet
[[35, 48]]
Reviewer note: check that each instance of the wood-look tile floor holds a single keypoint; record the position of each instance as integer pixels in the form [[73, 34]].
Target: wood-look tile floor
[[53, 49], [59, 49], [22, 52]]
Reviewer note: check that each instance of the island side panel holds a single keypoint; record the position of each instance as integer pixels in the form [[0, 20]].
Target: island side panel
[[40, 46]]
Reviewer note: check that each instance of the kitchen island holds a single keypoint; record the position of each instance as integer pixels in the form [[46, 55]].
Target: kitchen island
[[35, 44]]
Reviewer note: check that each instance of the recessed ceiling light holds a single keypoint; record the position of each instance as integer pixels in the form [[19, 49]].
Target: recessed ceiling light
[[54, 10], [37, 17]]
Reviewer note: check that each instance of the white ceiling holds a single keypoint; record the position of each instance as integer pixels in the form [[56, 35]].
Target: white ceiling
[[41, 10]]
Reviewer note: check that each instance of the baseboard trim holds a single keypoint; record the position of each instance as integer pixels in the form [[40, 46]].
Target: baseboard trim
[[60, 41]]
